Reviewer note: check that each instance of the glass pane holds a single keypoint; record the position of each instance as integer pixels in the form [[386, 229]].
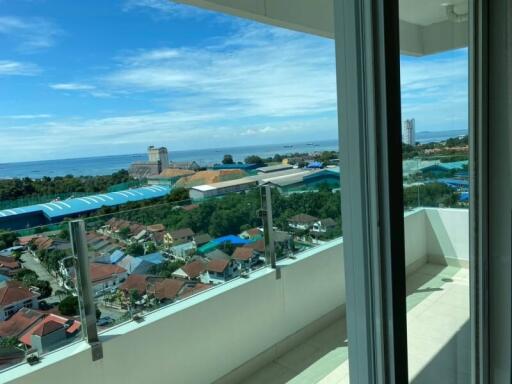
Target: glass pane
[[434, 78], [38, 314], [146, 258]]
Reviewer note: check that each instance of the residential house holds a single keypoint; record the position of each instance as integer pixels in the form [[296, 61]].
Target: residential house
[[253, 233], [219, 271], [52, 332], [323, 226], [113, 258], [166, 290], [302, 222], [183, 249], [258, 246], [156, 233], [217, 254], [19, 323], [106, 277], [11, 251], [177, 236], [202, 239], [190, 271], [14, 296], [140, 265], [9, 266], [139, 283], [245, 257]]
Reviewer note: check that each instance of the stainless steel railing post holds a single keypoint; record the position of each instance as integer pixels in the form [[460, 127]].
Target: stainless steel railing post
[[84, 285]]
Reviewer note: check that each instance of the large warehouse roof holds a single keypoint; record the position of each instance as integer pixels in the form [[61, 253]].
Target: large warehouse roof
[[77, 205]]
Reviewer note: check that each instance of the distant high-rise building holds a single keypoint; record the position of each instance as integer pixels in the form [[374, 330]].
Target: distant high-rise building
[[409, 132]]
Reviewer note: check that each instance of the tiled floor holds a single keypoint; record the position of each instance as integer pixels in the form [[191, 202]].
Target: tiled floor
[[437, 309]]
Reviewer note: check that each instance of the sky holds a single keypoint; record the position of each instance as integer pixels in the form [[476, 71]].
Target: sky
[[95, 78]]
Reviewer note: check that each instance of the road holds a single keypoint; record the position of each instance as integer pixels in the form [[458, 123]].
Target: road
[[30, 262]]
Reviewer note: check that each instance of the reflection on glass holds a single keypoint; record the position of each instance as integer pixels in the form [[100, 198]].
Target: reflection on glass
[[37, 314], [436, 194]]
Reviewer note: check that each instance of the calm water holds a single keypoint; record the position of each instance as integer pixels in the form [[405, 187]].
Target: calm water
[[106, 165]]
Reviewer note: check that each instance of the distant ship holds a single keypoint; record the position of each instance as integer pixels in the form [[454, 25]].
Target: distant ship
[[288, 146]]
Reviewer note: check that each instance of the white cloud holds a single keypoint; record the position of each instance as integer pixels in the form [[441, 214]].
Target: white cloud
[[164, 8], [72, 87], [258, 71], [80, 87], [27, 117], [30, 34], [16, 68]]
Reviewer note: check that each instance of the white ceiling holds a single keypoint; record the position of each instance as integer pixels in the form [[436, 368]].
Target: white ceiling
[[428, 12], [425, 27]]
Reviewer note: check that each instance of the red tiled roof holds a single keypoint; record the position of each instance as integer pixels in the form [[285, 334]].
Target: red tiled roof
[[303, 219], [189, 291], [243, 253], [74, 325], [217, 265], [159, 237], [24, 240], [193, 269], [156, 228], [182, 233], [47, 327], [9, 262], [168, 288], [254, 232], [258, 246], [20, 322], [137, 282], [135, 229], [14, 291], [101, 272]]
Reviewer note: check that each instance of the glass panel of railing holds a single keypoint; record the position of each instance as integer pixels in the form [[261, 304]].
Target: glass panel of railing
[[306, 213], [144, 258], [38, 313]]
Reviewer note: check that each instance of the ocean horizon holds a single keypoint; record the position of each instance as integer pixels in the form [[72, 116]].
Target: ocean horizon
[[106, 165]]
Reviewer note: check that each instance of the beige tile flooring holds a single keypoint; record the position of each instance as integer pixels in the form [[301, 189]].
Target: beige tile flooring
[[437, 309]]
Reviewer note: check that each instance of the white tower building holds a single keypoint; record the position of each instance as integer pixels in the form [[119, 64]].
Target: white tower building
[[409, 132]]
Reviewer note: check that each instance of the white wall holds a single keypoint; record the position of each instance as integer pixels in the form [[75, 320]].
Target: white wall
[[201, 339], [448, 236], [205, 337]]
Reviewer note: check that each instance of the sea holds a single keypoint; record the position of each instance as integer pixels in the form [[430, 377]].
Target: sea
[[106, 165]]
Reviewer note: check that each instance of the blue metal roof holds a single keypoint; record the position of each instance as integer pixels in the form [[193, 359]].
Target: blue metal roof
[[74, 206], [456, 183], [315, 164], [154, 258], [235, 240], [113, 258], [455, 165]]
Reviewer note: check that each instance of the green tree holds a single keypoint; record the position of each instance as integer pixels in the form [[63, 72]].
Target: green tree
[[45, 288], [9, 342], [177, 195], [27, 276], [253, 159], [134, 296], [151, 248], [69, 306], [228, 159], [124, 233], [64, 234], [135, 249]]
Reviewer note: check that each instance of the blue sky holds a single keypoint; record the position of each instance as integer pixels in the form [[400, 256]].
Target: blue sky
[[111, 77]]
